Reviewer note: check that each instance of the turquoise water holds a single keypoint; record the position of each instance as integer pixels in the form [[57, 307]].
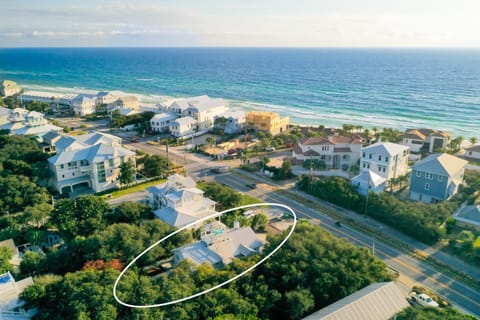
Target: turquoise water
[[371, 87]]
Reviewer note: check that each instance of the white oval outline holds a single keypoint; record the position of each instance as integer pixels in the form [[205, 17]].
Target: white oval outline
[[219, 285]]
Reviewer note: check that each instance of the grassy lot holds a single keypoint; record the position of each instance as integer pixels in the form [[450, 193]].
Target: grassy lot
[[248, 199], [139, 187]]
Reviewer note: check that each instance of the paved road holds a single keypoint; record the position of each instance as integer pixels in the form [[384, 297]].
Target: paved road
[[412, 271]]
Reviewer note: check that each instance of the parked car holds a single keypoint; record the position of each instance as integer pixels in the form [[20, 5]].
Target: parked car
[[251, 185], [134, 139], [423, 299], [269, 149]]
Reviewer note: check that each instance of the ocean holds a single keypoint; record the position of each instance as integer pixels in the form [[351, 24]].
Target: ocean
[[401, 88]]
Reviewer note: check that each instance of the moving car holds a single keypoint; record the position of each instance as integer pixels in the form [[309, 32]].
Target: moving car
[[269, 149], [251, 185]]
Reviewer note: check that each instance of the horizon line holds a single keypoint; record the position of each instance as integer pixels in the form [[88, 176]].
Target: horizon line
[[250, 47]]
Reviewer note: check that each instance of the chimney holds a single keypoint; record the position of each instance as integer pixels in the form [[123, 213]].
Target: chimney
[[236, 225]]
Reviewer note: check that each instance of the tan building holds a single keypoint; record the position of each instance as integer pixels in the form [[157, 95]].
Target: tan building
[[9, 88], [267, 121]]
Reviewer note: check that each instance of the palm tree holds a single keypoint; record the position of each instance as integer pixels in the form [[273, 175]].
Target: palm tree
[[473, 140]]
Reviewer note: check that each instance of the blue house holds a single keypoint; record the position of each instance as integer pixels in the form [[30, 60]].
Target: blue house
[[436, 178]]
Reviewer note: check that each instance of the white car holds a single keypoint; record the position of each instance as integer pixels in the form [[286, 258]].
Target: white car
[[424, 300], [269, 149]]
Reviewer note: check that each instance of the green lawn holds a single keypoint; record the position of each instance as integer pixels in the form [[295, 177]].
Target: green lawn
[[140, 187], [248, 199]]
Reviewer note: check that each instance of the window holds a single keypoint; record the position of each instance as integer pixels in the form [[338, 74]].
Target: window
[[379, 158], [386, 159], [418, 173], [440, 178], [364, 164], [363, 155], [73, 174], [429, 175], [379, 168], [110, 163], [63, 176], [427, 186], [383, 169], [370, 156], [62, 166]]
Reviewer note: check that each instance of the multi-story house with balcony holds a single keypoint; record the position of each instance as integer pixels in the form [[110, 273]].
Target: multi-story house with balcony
[[84, 104], [386, 159], [88, 161], [9, 88], [234, 121], [436, 178], [24, 122], [178, 202], [183, 127], [267, 121], [161, 122], [423, 141], [336, 151], [204, 110]]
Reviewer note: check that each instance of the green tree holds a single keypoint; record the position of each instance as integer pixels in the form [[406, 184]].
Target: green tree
[[155, 165], [225, 196], [415, 313], [19, 192], [37, 215], [80, 217], [131, 212], [259, 222], [299, 302], [285, 171], [5, 256], [127, 172]]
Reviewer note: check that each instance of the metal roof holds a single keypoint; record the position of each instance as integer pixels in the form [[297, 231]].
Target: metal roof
[[378, 301], [443, 164], [386, 148]]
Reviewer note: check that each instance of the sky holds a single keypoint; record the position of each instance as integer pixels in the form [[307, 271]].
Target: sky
[[240, 23]]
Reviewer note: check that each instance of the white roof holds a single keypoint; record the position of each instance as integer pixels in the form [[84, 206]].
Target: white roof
[[38, 130], [443, 164], [96, 153], [163, 116], [184, 121], [386, 148], [201, 103], [4, 111], [369, 177], [378, 301], [233, 114]]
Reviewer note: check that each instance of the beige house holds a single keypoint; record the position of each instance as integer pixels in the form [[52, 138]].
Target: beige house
[[9, 88], [424, 140], [267, 121], [127, 102]]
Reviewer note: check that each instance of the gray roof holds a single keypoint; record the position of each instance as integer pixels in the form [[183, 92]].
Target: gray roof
[[97, 153], [198, 253], [66, 142], [378, 301], [475, 148], [97, 137], [236, 242], [49, 136], [386, 148], [39, 130], [443, 164], [174, 217], [470, 214]]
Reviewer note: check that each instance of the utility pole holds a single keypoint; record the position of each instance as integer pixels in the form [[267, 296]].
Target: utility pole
[[168, 162], [368, 191]]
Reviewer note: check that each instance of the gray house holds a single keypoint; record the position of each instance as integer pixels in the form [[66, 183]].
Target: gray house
[[436, 178]]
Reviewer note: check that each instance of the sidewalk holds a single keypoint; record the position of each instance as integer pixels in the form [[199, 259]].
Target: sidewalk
[[384, 230]]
